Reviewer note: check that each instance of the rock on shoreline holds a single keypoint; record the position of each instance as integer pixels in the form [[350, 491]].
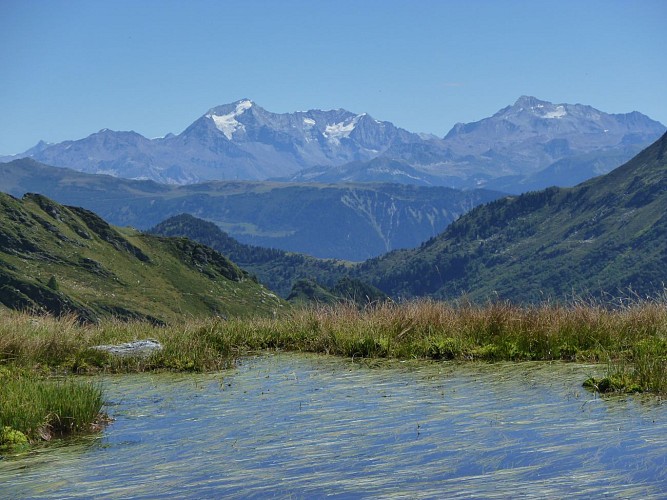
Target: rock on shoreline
[[141, 348]]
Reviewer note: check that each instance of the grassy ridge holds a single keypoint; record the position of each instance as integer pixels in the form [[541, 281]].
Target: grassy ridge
[[60, 260]]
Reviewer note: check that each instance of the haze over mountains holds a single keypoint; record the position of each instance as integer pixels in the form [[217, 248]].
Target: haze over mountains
[[351, 221], [606, 237], [528, 145]]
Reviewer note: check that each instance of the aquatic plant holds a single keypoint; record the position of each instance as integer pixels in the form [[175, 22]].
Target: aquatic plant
[[12, 440], [39, 408]]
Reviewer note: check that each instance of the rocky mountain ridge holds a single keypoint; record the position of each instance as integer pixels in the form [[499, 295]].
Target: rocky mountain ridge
[[528, 145]]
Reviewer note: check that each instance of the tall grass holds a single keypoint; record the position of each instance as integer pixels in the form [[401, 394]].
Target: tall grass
[[631, 338], [435, 330], [42, 408]]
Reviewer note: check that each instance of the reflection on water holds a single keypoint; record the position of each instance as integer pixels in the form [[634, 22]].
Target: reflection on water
[[307, 426]]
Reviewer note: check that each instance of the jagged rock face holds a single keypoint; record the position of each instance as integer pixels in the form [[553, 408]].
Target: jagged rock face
[[528, 145]]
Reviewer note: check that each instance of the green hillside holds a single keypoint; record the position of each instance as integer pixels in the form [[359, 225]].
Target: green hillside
[[605, 237], [60, 259], [277, 269]]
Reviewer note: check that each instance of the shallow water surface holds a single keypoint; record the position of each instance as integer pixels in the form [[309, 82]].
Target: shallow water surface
[[296, 426]]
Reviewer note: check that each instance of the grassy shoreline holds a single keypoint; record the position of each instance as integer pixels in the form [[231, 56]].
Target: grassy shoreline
[[35, 409], [631, 340]]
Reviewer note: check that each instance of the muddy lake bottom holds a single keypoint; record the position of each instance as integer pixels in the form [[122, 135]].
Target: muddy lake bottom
[[304, 426]]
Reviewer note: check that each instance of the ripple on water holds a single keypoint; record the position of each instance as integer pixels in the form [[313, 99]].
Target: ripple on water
[[303, 426]]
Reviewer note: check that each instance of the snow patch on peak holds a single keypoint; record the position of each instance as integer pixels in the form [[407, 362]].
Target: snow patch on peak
[[228, 124], [243, 106], [308, 122], [335, 132], [558, 112]]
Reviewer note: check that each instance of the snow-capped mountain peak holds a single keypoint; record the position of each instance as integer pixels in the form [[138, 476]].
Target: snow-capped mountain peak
[[531, 106], [241, 140]]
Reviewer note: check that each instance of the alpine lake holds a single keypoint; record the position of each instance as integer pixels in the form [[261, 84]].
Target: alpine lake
[[310, 426]]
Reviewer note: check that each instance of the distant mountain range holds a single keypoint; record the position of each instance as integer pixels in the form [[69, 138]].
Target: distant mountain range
[[606, 237], [528, 145], [350, 222]]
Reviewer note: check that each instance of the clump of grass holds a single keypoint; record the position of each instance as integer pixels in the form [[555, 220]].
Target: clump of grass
[[12, 440], [649, 364], [33, 408], [496, 331], [643, 368], [48, 345]]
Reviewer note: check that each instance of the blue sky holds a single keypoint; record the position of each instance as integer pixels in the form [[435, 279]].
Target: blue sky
[[71, 68]]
